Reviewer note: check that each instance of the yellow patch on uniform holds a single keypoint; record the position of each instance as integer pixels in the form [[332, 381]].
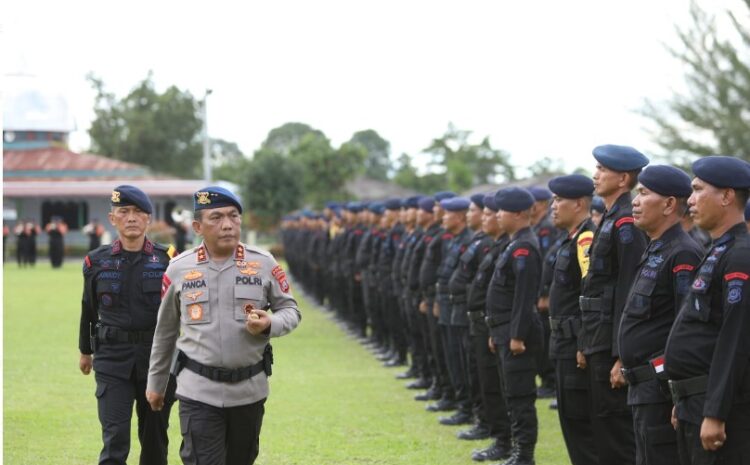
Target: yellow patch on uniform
[[194, 295], [192, 275], [195, 312], [583, 244], [203, 198], [115, 197], [171, 251]]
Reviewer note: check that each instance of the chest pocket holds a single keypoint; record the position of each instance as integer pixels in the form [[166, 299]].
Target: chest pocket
[[468, 256], [562, 267], [601, 262], [194, 306], [247, 297], [501, 270], [152, 291], [639, 305], [108, 293]]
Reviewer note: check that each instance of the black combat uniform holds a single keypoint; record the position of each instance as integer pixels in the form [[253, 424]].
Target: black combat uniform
[[121, 296]]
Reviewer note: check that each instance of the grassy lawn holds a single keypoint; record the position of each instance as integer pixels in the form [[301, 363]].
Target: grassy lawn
[[331, 402]]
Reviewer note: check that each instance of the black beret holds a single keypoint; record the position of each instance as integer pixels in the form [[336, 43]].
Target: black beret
[[427, 203], [455, 204], [377, 207], [332, 205], [443, 195], [597, 204], [666, 180], [572, 186], [620, 157], [489, 202], [215, 197], [393, 204], [723, 171], [355, 207], [130, 195], [412, 202], [514, 199], [478, 200], [540, 193]]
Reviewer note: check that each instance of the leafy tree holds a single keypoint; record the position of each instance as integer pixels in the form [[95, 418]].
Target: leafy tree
[[287, 137], [546, 167], [406, 174], [272, 186], [378, 153], [158, 130], [228, 162], [714, 116]]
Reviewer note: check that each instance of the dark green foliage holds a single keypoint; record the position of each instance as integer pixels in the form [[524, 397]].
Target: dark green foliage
[[378, 153]]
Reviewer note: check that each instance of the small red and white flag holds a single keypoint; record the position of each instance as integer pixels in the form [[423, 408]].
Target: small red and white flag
[[658, 364]]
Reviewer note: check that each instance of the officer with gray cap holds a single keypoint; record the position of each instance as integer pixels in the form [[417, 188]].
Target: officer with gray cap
[[662, 281], [707, 350], [215, 311]]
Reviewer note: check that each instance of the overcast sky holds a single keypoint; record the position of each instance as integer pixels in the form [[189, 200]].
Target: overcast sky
[[541, 78]]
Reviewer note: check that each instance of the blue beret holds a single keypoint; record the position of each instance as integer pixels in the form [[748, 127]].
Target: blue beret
[[597, 204], [620, 157], [455, 204], [573, 186], [427, 203], [478, 200], [355, 207], [130, 195], [393, 204], [332, 205], [489, 202], [215, 197], [666, 180], [514, 199], [540, 193], [412, 202], [747, 211], [723, 171], [377, 207], [443, 195]]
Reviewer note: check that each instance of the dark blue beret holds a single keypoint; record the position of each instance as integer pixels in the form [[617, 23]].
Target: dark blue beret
[[393, 204], [377, 207], [332, 205], [620, 157], [478, 200], [125, 195], [355, 207], [412, 202], [747, 211], [597, 204], [215, 197], [666, 180], [572, 186], [723, 171], [455, 204], [443, 195], [427, 203], [489, 202], [540, 193], [514, 199]]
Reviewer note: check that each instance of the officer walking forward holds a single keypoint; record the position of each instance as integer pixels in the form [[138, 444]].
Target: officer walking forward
[[214, 310]]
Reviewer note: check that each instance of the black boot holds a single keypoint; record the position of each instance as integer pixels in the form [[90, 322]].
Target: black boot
[[479, 431], [497, 451]]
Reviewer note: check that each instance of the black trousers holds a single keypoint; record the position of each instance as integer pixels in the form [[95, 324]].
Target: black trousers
[[573, 409], [736, 449], [494, 410], [611, 419], [115, 397], [545, 367], [438, 368], [456, 362], [220, 436], [655, 438]]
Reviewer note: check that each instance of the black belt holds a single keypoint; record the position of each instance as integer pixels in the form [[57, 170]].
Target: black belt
[[590, 304], [639, 374], [497, 320], [569, 327], [227, 375], [105, 334], [476, 316], [687, 387]]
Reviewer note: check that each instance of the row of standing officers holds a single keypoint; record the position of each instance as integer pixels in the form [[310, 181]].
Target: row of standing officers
[[638, 321]]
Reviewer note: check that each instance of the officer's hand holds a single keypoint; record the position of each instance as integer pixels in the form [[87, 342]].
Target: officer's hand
[[675, 422], [616, 380], [543, 304], [517, 347], [85, 363], [491, 345], [436, 310], [423, 307], [357, 277], [713, 433], [581, 360], [155, 400], [257, 321]]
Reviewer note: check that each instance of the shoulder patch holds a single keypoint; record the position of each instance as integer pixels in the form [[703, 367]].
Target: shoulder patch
[[624, 220], [165, 283], [585, 238], [87, 262], [736, 275], [683, 267], [625, 232], [171, 251], [520, 252], [280, 276]]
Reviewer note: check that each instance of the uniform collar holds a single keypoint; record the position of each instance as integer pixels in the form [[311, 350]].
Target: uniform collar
[[736, 230], [584, 223], [668, 236], [148, 247], [621, 201]]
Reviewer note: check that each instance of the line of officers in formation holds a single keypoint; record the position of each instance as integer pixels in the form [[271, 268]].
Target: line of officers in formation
[[642, 318]]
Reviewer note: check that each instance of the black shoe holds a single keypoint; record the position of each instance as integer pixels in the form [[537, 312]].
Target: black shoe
[[553, 404], [475, 433], [443, 405], [395, 362], [419, 384], [408, 374], [521, 457], [384, 355], [458, 418], [494, 452], [431, 394], [545, 392]]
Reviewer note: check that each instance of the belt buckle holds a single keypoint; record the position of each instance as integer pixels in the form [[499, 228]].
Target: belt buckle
[[223, 375]]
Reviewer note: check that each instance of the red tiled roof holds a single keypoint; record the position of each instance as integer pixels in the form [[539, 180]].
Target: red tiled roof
[[60, 163]]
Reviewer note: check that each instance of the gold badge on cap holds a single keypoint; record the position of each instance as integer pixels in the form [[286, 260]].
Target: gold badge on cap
[[203, 198], [115, 197]]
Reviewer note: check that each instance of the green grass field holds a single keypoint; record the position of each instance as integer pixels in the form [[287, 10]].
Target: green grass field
[[331, 402]]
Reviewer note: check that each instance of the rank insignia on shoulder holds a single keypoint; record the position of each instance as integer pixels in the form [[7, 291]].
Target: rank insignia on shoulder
[[193, 275]]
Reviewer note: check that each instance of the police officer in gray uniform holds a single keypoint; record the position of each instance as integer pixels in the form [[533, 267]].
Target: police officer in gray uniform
[[214, 310]]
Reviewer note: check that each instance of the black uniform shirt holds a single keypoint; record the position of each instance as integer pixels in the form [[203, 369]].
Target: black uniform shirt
[[711, 334], [433, 256], [479, 245], [487, 256]]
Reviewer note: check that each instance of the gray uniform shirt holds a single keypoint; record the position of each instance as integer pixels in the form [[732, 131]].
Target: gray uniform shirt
[[202, 313]]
